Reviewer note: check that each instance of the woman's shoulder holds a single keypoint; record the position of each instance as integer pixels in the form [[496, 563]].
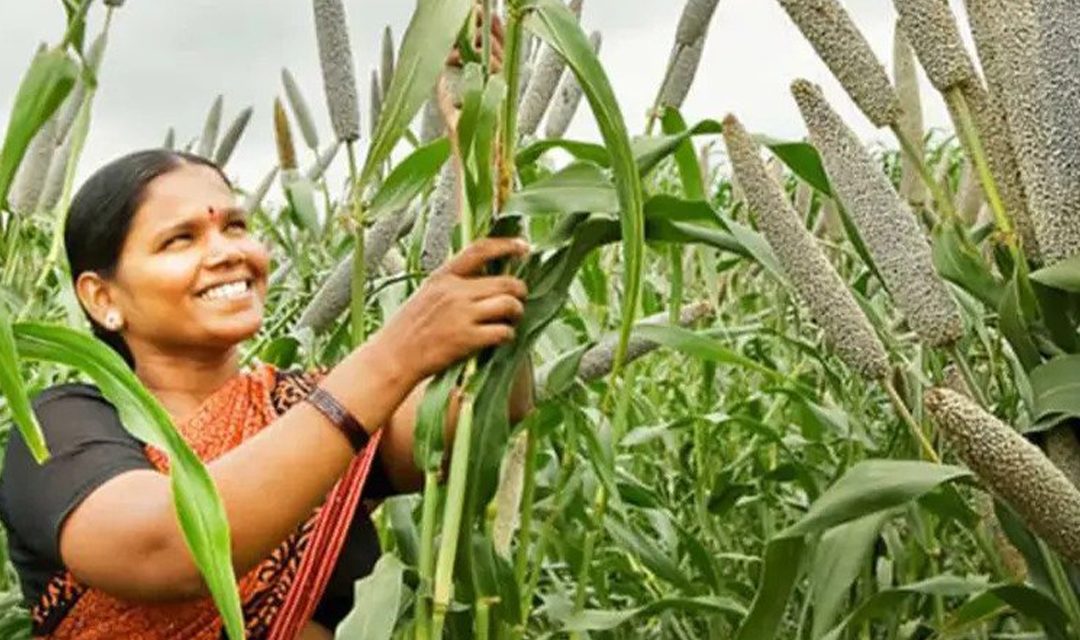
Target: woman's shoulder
[[67, 391]]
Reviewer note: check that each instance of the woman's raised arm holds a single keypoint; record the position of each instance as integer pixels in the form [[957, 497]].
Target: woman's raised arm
[[124, 537]]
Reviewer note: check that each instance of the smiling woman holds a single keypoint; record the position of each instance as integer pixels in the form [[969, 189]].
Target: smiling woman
[[170, 277]]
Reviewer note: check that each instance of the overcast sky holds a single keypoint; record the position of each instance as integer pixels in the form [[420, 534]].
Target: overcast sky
[[168, 59]]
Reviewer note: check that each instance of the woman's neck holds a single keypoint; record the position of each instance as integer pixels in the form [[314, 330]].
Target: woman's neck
[[183, 382]]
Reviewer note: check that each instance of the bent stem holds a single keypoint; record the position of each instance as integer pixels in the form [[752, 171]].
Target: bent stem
[[974, 146], [937, 191], [916, 431]]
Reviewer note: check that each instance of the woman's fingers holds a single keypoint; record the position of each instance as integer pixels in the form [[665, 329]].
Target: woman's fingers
[[471, 260], [491, 286], [500, 308]]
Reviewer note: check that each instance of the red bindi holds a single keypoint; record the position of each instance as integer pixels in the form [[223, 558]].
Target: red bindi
[[214, 214]]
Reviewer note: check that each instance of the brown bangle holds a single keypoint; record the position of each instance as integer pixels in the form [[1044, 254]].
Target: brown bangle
[[339, 416]]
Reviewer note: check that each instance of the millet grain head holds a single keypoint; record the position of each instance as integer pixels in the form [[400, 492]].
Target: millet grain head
[[300, 109], [443, 207], [283, 138], [886, 223], [930, 27], [683, 72], [847, 330], [905, 74], [844, 49], [232, 136], [339, 72], [694, 21], [1013, 468]]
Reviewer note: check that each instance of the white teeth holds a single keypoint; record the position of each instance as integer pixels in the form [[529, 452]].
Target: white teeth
[[226, 291]]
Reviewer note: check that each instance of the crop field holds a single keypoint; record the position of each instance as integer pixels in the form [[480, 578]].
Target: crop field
[[804, 389]]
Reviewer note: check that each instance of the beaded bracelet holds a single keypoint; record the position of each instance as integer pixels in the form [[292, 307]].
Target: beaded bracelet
[[339, 416]]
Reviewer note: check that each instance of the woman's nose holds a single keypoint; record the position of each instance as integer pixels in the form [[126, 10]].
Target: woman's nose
[[223, 250]]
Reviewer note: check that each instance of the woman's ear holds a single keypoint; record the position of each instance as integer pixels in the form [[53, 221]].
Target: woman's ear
[[94, 293]]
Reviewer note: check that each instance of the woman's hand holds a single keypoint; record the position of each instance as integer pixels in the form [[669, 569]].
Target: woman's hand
[[478, 40], [458, 310]]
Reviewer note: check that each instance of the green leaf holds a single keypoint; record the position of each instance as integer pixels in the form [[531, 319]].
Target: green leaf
[[43, 88], [199, 509], [427, 42], [12, 388], [782, 559], [803, 160], [377, 601], [957, 260], [562, 610], [685, 157], [557, 26], [409, 179], [1027, 601], [650, 151], [579, 187], [428, 442], [839, 558], [629, 539], [700, 346], [483, 151], [1064, 275], [889, 601], [594, 153], [1016, 318], [300, 193], [1055, 385], [871, 486]]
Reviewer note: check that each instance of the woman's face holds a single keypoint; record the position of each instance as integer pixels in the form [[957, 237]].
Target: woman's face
[[186, 239]]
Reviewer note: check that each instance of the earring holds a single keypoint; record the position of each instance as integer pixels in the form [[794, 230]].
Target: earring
[[113, 321]]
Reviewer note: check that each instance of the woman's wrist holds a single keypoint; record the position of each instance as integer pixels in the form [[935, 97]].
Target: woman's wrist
[[371, 382]]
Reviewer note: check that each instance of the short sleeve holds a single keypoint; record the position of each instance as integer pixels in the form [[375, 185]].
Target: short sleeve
[[88, 446]]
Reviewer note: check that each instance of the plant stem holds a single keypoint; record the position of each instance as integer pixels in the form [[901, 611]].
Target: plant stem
[[969, 375], [905, 415], [599, 511], [508, 139], [452, 511], [970, 135], [528, 494], [937, 191], [1060, 581], [427, 554], [357, 302]]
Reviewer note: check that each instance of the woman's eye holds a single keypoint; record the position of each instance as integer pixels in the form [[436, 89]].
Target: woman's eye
[[173, 240], [239, 224]]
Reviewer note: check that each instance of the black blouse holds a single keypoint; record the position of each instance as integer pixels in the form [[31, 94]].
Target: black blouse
[[89, 446]]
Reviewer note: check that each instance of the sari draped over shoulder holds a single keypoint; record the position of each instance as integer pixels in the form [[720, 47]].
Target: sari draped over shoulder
[[279, 595]]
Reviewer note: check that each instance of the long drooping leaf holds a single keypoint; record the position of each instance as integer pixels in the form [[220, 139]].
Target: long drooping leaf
[[199, 509], [431, 33], [13, 389], [47, 82], [556, 25]]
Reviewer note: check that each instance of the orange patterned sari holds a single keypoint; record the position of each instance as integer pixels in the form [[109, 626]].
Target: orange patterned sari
[[280, 594]]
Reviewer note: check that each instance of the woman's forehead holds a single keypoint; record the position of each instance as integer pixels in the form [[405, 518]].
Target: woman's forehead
[[180, 193]]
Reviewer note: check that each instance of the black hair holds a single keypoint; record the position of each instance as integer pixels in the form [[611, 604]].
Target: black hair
[[100, 216]]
